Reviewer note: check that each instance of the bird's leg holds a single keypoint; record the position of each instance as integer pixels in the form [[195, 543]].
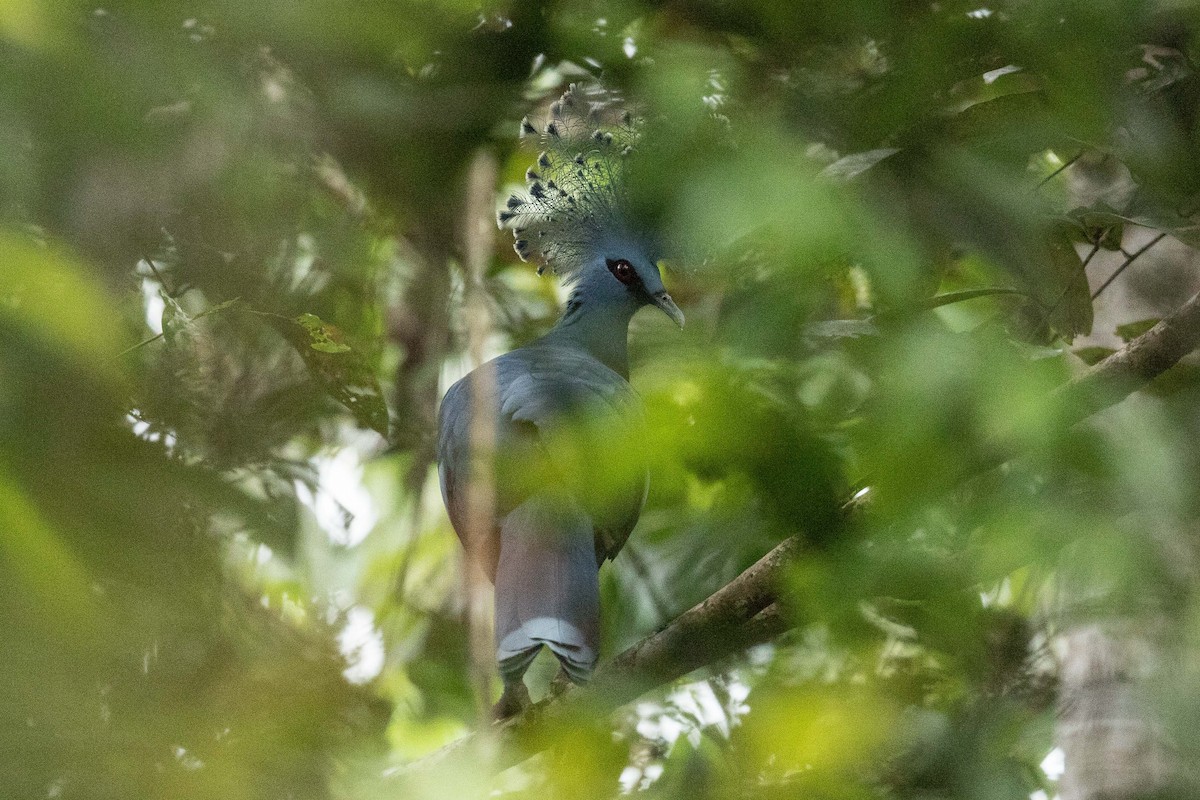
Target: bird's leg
[[514, 700], [560, 683]]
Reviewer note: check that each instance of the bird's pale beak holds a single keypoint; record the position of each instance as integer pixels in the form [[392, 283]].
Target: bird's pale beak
[[664, 301]]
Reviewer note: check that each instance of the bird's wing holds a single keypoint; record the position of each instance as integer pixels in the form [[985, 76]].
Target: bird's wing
[[568, 394], [454, 462], [546, 397]]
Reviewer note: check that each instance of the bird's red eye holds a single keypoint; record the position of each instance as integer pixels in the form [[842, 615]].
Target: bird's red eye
[[622, 270]]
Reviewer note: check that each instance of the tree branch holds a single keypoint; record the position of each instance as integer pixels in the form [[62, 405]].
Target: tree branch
[[1136, 364], [1129, 259], [745, 611]]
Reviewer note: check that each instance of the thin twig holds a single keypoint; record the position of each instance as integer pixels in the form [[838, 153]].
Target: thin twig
[[1129, 260], [142, 343], [157, 275], [201, 315], [1058, 171]]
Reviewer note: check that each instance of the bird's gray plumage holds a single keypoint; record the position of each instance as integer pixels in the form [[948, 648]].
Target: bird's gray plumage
[[569, 482], [547, 540]]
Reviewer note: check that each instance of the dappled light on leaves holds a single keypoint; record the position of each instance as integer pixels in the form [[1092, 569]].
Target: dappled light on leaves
[[923, 465]]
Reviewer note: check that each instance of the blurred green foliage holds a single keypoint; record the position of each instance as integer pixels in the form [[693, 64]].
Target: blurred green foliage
[[231, 248]]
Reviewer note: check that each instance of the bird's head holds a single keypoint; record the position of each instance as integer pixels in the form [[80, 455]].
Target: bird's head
[[621, 273], [572, 217]]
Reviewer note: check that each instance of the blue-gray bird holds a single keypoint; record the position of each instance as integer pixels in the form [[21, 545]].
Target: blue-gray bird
[[562, 405]]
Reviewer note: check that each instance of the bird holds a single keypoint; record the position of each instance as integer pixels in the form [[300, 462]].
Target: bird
[[561, 407]]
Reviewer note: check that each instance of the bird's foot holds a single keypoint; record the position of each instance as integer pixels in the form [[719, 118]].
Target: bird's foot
[[514, 700], [560, 683]]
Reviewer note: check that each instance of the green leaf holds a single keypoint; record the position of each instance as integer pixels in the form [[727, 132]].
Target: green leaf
[[1160, 219], [346, 374], [990, 86], [1100, 225], [48, 570], [1111, 237], [1188, 234], [321, 334], [1176, 379], [217, 308], [855, 164], [949, 298], [1093, 355], [1069, 307], [48, 292], [1132, 330]]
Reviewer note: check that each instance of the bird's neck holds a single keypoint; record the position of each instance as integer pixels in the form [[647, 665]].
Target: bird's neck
[[599, 328]]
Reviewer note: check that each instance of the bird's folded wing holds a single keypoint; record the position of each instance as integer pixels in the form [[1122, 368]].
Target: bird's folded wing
[[548, 397], [568, 394]]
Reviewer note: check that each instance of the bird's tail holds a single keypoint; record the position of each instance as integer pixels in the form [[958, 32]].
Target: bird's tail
[[547, 588]]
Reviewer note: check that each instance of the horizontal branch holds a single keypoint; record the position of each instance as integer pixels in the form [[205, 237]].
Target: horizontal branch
[[686, 643], [1137, 363], [745, 611]]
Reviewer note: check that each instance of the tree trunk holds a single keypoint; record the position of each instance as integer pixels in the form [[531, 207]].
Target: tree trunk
[[1114, 747]]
